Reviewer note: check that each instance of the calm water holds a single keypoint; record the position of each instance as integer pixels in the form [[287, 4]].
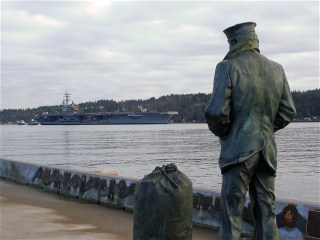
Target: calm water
[[135, 150]]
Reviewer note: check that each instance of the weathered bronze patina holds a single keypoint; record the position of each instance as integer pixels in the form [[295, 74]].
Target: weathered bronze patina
[[251, 100], [163, 206]]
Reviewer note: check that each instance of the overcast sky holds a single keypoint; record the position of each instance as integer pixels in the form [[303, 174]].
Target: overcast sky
[[136, 50]]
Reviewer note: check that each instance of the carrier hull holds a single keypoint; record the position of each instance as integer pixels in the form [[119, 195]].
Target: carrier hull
[[107, 119]]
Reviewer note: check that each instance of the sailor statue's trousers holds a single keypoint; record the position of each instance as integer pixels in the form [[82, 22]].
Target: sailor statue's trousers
[[253, 176]]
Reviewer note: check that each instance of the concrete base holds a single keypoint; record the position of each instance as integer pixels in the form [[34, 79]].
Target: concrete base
[[30, 213], [118, 192]]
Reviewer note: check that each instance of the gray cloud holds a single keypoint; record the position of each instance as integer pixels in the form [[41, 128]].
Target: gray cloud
[[136, 50]]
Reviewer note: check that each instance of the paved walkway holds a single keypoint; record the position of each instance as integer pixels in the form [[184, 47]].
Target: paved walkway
[[29, 213]]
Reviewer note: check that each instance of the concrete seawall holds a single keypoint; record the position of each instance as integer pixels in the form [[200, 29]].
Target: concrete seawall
[[295, 220]]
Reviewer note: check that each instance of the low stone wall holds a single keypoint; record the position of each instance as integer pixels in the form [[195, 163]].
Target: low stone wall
[[295, 220]]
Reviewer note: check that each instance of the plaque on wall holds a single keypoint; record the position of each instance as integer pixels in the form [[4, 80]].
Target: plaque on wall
[[313, 223]]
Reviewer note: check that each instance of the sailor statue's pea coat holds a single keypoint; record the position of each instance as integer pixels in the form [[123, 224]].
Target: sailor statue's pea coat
[[251, 100]]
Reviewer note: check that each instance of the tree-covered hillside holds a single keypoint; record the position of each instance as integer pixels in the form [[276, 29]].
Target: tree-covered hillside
[[307, 104], [189, 106]]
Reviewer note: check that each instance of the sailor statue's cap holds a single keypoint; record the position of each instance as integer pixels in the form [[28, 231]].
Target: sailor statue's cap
[[246, 28]]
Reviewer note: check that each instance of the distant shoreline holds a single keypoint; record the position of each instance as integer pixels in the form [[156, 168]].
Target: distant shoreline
[[294, 121], [304, 121]]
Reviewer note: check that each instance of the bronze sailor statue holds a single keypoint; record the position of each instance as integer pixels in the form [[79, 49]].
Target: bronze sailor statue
[[251, 100]]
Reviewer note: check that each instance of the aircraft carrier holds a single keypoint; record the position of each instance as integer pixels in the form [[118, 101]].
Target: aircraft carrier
[[71, 115]]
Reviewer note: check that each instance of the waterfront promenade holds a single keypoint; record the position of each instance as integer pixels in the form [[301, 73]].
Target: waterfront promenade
[[30, 213]]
